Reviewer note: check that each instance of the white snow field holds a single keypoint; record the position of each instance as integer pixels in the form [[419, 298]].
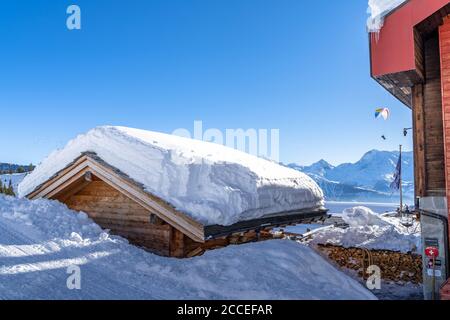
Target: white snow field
[[212, 183], [378, 9], [40, 239], [372, 231]]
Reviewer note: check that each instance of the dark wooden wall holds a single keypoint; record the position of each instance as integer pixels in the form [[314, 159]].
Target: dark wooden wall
[[428, 124], [114, 211], [444, 41]]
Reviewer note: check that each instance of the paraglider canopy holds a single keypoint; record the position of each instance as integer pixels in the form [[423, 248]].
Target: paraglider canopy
[[382, 113]]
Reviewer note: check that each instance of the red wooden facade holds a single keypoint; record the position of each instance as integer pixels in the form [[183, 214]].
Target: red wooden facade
[[410, 58], [393, 50]]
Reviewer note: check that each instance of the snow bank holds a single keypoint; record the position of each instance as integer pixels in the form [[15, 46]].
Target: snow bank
[[51, 218], [40, 239], [371, 231], [378, 9], [362, 216], [211, 183]]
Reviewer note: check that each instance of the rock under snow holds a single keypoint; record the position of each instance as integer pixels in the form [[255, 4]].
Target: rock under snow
[[40, 240], [212, 183], [371, 231], [378, 9]]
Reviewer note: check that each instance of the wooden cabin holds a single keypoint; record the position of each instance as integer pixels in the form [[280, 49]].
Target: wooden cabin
[[120, 204], [410, 58]]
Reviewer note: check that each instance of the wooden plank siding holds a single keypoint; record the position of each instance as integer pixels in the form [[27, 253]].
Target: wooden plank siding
[[428, 125], [434, 142], [112, 210], [419, 54], [444, 44], [420, 181]]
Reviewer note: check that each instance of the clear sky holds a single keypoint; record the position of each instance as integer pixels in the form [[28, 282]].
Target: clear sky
[[298, 66]]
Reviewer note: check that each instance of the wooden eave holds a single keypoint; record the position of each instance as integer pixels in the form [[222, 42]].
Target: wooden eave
[[71, 179], [399, 85], [268, 222]]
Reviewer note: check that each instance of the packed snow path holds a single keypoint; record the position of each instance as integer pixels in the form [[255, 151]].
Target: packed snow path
[[39, 240]]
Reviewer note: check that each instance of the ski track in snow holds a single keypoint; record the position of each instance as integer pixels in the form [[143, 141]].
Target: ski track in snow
[[36, 268]]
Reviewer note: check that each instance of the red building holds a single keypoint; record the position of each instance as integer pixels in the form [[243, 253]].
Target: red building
[[410, 57]]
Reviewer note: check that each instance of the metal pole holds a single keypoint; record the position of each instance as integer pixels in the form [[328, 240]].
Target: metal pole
[[401, 188], [433, 280]]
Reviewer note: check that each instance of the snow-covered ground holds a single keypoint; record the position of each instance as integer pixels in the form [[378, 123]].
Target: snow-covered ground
[[15, 178], [337, 207], [212, 183], [372, 231], [40, 239]]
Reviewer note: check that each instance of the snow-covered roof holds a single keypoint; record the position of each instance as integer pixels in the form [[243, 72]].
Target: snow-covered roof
[[378, 9], [211, 183]]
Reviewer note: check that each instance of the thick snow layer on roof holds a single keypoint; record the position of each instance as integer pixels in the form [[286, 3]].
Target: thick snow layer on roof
[[378, 9], [40, 239], [211, 183]]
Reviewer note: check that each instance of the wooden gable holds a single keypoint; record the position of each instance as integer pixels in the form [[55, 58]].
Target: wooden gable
[[88, 172]]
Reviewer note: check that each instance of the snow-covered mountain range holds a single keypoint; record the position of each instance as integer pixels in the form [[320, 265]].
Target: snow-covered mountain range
[[366, 180]]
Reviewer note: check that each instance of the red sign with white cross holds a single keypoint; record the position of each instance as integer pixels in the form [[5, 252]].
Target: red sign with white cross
[[432, 252]]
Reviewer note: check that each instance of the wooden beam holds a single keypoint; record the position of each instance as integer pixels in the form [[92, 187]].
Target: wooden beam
[[60, 178], [419, 141], [177, 244], [66, 194], [275, 221]]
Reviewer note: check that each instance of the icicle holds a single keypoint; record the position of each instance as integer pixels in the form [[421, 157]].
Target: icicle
[[377, 10]]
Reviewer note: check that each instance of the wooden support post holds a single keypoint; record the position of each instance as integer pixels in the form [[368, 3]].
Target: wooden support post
[[419, 141], [177, 244]]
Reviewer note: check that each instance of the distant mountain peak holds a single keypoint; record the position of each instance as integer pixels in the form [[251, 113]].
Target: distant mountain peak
[[323, 163], [372, 173]]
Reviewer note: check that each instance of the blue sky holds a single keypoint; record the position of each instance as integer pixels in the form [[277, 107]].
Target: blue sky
[[301, 67]]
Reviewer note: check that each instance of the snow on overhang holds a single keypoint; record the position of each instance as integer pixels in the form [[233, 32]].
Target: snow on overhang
[[378, 10], [394, 63]]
